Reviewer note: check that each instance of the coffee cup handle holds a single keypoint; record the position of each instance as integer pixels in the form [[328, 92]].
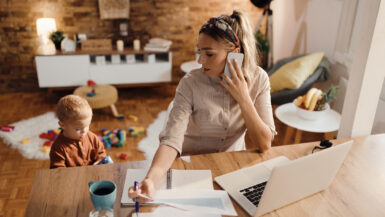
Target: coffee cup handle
[[90, 183]]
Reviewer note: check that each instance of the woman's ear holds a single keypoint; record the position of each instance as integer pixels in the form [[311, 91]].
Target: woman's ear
[[237, 50]]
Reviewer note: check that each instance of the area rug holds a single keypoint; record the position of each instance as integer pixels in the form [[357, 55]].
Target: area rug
[[150, 143], [31, 128]]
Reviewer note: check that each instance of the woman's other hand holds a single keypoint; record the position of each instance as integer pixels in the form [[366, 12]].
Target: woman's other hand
[[145, 187], [237, 85]]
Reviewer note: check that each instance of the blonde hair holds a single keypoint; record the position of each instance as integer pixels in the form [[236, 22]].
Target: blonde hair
[[73, 107], [242, 28]]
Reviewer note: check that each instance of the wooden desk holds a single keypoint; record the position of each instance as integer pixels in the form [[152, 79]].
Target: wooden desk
[[357, 190]]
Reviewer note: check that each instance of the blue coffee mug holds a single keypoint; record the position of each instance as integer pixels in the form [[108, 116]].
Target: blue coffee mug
[[103, 194]]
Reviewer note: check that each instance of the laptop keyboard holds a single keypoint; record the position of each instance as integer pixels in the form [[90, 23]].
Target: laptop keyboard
[[254, 193]]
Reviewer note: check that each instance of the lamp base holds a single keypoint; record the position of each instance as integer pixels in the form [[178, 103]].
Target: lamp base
[[46, 49]]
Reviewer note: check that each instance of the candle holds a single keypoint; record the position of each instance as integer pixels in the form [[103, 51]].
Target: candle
[[120, 45], [136, 44]]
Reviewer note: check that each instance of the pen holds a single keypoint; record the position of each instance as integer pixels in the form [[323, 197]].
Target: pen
[[136, 186]]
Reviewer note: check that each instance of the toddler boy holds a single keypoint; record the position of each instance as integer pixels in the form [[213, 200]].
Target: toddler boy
[[75, 145]]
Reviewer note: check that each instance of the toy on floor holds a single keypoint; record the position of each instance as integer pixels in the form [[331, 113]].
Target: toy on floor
[[106, 160], [25, 141], [123, 156], [115, 137], [46, 149], [91, 84], [7, 128], [50, 137], [133, 118], [135, 131]]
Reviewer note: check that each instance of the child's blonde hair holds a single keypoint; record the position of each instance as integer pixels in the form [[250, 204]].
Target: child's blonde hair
[[242, 28], [73, 107]]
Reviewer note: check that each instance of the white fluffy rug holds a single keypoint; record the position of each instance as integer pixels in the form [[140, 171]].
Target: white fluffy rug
[[150, 143], [31, 128]]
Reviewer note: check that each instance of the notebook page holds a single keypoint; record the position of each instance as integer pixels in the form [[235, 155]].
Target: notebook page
[[191, 179], [133, 175]]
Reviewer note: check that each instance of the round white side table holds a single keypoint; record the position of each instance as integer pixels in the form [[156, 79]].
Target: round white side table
[[327, 124], [187, 67]]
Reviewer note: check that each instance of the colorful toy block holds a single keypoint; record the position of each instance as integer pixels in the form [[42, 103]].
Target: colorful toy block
[[46, 149], [116, 137], [135, 131], [7, 128], [91, 84], [25, 141], [123, 156], [47, 143], [133, 118], [50, 137], [90, 94]]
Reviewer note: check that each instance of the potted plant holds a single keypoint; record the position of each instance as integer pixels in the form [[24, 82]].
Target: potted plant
[[263, 47], [56, 37]]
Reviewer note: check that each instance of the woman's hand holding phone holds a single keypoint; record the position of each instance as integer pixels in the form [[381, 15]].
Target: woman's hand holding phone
[[236, 85], [231, 56]]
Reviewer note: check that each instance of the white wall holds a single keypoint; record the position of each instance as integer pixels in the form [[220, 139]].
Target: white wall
[[305, 26], [379, 119]]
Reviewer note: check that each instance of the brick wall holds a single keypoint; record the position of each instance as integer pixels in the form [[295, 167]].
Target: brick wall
[[176, 20]]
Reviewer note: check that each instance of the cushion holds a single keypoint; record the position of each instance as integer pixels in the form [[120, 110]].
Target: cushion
[[294, 73]]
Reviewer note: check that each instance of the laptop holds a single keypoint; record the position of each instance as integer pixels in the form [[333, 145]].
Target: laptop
[[272, 184]]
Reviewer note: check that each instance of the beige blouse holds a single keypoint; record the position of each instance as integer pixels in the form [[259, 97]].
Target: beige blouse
[[205, 118]]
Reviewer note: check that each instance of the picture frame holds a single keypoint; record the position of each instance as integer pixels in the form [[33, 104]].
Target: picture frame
[[114, 9]]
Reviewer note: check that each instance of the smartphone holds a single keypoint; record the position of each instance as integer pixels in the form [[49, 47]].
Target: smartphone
[[231, 56]]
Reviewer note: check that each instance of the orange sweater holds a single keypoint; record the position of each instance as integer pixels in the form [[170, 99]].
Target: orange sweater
[[66, 152]]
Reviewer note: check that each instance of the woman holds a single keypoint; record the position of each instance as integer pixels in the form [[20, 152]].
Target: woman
[[211, 112]]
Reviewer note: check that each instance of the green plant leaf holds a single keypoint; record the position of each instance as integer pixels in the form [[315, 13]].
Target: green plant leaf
[[262, 41], [330, 94], [56, 36]]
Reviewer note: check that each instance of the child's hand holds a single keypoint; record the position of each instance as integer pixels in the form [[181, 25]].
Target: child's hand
[[145, 187]]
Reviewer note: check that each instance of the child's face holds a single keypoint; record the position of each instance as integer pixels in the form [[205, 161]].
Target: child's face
[[213, 55], [76, 129]]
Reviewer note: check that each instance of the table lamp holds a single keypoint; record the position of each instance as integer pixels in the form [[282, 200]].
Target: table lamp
[[44, 27]]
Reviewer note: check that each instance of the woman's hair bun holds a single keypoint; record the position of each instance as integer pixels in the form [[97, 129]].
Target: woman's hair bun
[[236, 15]]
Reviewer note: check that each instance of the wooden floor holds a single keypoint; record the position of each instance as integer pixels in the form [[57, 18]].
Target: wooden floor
[[17, 172]]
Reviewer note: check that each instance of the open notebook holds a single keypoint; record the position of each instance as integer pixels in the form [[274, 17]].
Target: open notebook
[[175, 179]]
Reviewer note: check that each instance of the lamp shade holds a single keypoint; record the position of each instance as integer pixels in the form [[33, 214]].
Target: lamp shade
[[44, 27]]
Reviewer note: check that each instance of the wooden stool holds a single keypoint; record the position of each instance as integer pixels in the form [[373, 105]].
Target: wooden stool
[[105, 95]]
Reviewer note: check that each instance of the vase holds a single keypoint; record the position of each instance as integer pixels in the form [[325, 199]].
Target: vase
[[68, 45], [57, 45]]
